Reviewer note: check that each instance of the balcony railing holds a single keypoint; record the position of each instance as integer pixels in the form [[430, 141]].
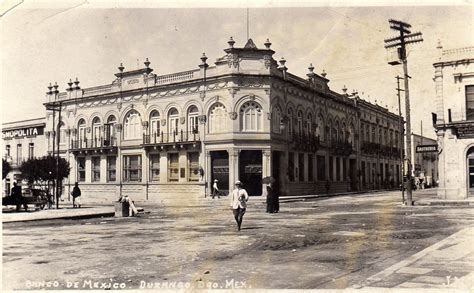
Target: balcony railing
[[305, 141], [95, 143], [170, 138], [340, 147]]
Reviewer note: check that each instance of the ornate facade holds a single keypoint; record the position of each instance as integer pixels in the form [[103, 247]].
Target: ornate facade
[[245, 117]]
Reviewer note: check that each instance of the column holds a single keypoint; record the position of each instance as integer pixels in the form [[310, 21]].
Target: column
[[88, 168], [183, 163], [208, 173], [163, 167], [103, 169], [266, 166], [233, 167]]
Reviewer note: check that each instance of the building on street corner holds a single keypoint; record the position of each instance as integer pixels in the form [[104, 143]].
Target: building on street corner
[[244, 117], [454, 83], [22, 140]]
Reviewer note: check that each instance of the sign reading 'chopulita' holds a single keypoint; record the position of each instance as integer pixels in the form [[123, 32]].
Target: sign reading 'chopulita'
[[427, 148]]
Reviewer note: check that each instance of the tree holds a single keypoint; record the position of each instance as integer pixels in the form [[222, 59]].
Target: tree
[[43, 170], [6, 168]]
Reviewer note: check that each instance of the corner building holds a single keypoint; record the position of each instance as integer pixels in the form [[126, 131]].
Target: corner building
[[454, 84], [245, 117]]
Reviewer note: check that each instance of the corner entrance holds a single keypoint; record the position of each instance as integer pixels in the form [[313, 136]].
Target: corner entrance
[[220, 169], [250, 171]]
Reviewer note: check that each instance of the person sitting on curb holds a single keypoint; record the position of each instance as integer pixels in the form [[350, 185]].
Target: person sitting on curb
[[131, 204]]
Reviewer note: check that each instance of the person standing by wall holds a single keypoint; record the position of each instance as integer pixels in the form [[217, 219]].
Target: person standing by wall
[[270, 200], [238, 203], [18, 197], [76, 195]]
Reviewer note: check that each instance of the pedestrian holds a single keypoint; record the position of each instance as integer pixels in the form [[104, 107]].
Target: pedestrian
[[328, 186], [76, 196], [270, 200], [276, 197], [215, 189], [239, 203], [18, 197]]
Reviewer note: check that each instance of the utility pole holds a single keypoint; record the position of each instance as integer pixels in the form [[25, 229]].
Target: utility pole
[[400, 42], [401, 134]]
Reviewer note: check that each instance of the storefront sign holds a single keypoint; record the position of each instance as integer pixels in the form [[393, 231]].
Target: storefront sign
[[465, 130], [428, 148], [23, 132]]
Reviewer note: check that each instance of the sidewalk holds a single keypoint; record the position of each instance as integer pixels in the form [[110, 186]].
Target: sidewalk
[[448, 264], [9, 216]]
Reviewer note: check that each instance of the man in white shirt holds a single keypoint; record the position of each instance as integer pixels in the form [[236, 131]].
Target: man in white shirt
[[238, 203], [215, 190]]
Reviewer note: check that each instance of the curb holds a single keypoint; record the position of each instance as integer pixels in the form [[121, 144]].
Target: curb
[[62, 217]]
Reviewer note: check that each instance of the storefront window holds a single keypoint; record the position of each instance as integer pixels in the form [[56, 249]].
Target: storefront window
[[321, 167], [301, 167], [111, 168], [81, 169], [31, 151], [310, 168], [132, 168], [155, 167], [193, 165], [95, 164], [173, 167]]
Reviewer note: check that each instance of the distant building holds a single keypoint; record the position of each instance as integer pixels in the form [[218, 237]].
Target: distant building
[[454, 82], [424, 161], [22, 140], [244, 117]]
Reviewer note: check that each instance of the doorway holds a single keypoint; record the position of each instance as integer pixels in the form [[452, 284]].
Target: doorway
[[250, 171], [470, 172], [220, 170]]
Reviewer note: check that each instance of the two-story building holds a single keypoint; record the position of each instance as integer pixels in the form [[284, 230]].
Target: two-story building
[[454, 84], [245, 117]]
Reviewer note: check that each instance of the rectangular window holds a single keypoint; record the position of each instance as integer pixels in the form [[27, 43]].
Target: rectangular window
[[81, 169], [291, 166], [331, 168], [338, 169], [132, 168], [95, 164], [301, 167], [31, 151], [374, 172], [321, 166], [173, 167], [7, 149], [193, 164], [111, 168], [363, 173], [18, 154], [344, 170], [310, 168], [155, 167], [470, 102]]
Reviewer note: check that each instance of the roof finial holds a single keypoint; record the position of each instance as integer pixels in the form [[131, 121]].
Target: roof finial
[[231, 42], [344, 89], [323, 74], [267, 44]]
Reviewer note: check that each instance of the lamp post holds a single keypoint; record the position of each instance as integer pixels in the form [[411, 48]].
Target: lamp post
[[55, 106]]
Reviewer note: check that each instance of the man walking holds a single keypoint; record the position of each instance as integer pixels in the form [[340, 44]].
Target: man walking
[[215, 190], [238, 203], [76, 196], [18, 197]]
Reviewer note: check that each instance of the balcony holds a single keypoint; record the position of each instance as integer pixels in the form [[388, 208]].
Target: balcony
[[174, 139], [341, 148], [94, 145], [305, 142]]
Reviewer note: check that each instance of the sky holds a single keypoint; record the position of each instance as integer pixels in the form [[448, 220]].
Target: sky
[[43, 43]]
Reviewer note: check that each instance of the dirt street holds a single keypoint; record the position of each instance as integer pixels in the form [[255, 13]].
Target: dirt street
[[326, 243]]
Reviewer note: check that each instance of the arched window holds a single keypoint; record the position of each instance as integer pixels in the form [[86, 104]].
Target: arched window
[[335, 132], [276, 119], [96, 127], [290, 121], [132, 126], [81, 133], [299, 121], [193, 123], [62, 133], [109, 130], [309, 124], [351, 134], [154, 124], [217, 118], [328, 133], [173, 121], [251, 116], [320, 128], [344, 133]]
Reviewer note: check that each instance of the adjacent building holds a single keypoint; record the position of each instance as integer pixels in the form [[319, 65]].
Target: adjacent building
[[424, 160], [22, 140], [454, 83]]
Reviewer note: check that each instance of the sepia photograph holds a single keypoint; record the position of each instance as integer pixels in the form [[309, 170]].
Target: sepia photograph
[[323, 146]]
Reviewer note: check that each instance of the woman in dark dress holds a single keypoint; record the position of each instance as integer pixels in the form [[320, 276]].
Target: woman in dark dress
[[270, 200], [276, 197]]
